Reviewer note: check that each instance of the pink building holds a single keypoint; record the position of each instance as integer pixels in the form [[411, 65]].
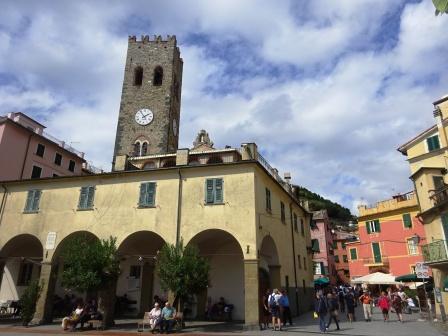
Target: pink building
[[27, 151], [390, 238], [340, 240], [322, 247]]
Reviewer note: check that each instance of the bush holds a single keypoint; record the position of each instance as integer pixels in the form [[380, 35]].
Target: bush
[[28, 301]]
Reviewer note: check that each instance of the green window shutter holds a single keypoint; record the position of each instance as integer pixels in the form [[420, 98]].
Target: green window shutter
[[142, 197], [377, 225], [407, 221], [29, 200], [218, 190], [209, 191], [90, 197], [336, 259], [433, 143], [150, 193], [376, 252], [322, 268], [368, 227], [344, 258], [83, 198], [315, 245], [36, 199], [353, 254]]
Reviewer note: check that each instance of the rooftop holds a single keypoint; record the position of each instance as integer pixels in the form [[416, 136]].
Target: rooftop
[[398, 201]]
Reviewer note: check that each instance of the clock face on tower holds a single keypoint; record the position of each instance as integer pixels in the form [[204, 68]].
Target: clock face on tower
[[144, 117]]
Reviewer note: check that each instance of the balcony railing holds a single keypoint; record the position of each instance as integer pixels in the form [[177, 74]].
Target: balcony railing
[[435, 252], [439, 196], [376, 261]]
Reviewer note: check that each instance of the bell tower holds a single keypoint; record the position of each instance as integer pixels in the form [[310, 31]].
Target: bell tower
[[148, 121]]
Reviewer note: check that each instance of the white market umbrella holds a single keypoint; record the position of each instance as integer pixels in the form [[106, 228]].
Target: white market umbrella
[[377, 278]]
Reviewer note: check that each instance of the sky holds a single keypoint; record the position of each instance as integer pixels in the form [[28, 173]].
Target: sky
[[327, 89]]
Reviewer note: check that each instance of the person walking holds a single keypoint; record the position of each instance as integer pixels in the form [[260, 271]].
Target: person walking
[[350, 303], [341, 297], [265, 313], [321, 309], [274, 308], [397, 305], [333, 308], [366, 301], [284, 305], [384, 304]]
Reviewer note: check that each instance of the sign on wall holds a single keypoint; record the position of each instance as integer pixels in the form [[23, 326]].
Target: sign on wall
[[421, 270], [51, 241]]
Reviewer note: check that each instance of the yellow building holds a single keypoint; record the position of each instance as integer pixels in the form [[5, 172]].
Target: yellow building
[[230, 203], [427, 157]]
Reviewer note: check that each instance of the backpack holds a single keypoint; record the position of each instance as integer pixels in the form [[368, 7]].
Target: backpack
[[271, 301]]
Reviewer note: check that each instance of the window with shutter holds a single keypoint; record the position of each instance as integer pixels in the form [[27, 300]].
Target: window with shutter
[[376, 252], [268, 200], [315, 245], [282, 212], [147, 194], [407, 221], [433, 143], [353, 254], [214, 191], [86, 197], [296, 228], [368, 227], [32, 201]]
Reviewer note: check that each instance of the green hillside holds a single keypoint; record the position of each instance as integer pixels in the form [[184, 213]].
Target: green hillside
[[316, 202]]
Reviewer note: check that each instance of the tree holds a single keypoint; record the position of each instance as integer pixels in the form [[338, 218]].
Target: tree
[[92, 265], [182, 270], [28, 301], [441, 6]]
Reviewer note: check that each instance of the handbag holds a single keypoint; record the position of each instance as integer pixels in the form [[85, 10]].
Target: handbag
[[315, 315]]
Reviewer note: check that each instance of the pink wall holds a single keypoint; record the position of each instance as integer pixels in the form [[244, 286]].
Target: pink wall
[[394, 250], [325, 238], [13, 150]]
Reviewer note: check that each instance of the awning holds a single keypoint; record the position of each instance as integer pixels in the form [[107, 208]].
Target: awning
[[410, 278], [322, 281], [377, 278]]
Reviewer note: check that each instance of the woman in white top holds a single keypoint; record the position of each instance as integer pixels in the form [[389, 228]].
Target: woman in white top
[[155, 316], [73, 318]]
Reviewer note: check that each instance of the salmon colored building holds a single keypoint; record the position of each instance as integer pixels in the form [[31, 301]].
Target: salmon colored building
[[390, 238], [340, 240], [27, 151]]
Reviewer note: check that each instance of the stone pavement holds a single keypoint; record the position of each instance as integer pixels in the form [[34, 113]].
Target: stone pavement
[[303, 325]]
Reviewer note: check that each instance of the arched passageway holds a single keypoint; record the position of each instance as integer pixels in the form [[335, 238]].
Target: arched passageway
[[20, 263], [269, 262], [226, 278], [138, 282]]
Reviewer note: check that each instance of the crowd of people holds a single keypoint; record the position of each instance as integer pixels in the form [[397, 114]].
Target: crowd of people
[[275, 309], [330, 302]]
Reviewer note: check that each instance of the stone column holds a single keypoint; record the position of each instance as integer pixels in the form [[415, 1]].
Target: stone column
[[44, 305], [274, 276], [251, 294], [146, 288]]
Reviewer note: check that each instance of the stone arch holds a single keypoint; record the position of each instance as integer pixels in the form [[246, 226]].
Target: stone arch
[[138, 281], [59, 249], [20, 263], [226, 278], [269, 260]]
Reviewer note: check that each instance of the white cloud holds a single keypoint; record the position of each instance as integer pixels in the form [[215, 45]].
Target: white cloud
[[333, 118]]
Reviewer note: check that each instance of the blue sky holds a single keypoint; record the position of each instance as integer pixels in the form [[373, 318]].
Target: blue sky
[[327, 89]]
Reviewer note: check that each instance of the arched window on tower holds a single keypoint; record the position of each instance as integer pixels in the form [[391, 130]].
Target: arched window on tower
[[158, 76], [138, 76], [136, 151], [144, 148]]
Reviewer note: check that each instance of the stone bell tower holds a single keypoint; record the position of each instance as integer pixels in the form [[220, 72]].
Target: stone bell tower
[[148, 122]]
